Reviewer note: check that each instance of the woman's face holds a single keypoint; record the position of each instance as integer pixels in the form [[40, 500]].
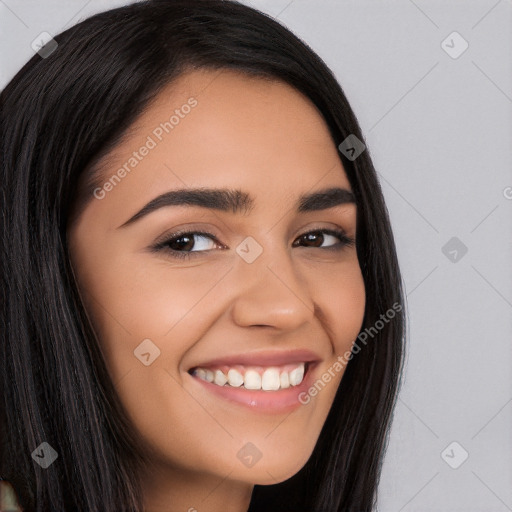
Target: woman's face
[[258, 296]]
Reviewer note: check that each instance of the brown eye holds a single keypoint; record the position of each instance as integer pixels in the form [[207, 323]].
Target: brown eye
[[317, 237], [180, 244]]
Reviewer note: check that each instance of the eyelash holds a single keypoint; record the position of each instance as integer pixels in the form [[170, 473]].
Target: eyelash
[[346, 241]]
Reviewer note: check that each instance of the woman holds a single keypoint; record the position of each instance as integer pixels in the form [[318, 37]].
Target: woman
[[260, 372]]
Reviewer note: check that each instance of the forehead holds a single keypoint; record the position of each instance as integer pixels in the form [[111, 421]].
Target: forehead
[[217, 128]]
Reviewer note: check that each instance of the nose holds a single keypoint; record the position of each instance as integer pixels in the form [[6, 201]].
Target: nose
[[269, 292]]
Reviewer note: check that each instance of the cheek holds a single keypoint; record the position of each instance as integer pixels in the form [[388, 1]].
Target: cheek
[[342, 299], [130, 300]]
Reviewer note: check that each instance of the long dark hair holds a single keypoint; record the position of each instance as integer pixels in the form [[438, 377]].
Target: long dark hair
[[59, 114]]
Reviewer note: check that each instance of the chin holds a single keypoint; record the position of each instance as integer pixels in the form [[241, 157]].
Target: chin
[[273, 472]]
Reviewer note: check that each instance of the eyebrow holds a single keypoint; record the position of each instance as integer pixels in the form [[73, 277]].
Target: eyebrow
[[238, 201]]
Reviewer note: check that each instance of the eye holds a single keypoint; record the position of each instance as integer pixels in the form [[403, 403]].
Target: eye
[[320, 235], [179, 244]]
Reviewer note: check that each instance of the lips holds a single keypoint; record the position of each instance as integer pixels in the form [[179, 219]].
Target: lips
[[262, 358], [282, 401]]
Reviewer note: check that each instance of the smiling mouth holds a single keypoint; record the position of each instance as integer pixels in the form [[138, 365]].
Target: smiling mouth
[[264, 378]]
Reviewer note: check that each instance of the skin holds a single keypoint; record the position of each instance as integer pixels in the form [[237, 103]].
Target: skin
[[265, 138]]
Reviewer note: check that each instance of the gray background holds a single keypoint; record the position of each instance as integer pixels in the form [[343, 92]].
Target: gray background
[[439, 130]]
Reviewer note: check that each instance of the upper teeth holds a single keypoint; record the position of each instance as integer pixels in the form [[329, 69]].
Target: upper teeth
[[269, 379]]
